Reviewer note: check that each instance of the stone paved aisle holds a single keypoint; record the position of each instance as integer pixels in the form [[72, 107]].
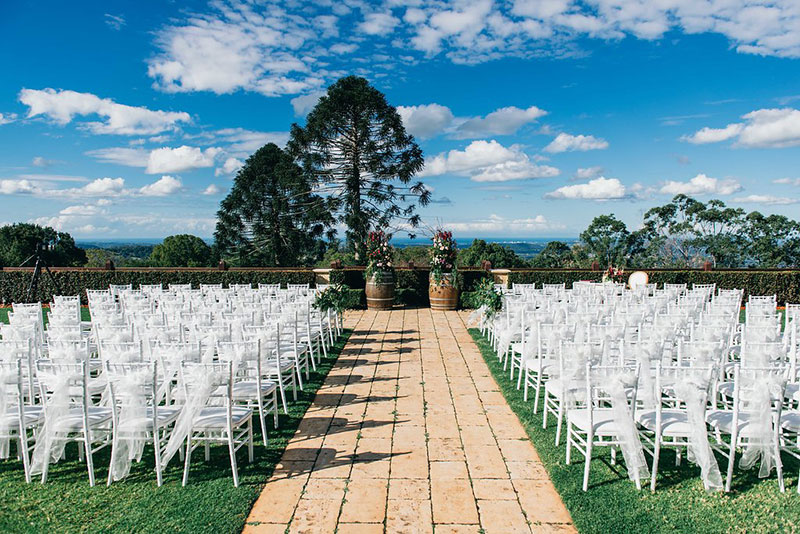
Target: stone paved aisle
[[409, 433]]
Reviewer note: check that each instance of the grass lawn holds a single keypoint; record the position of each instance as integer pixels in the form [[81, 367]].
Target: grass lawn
[[209, 503], [680, 504]]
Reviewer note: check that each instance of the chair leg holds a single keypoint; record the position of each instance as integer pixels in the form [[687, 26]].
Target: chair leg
[[188, 459], [114, 444], [731, 458], [87, 439], [656, 456], [157, 447], [275, 407], [559, 422], [569, 445], [232, 451], [587, 464], [519, 377], [23, 447], [527, 381], [262, 419], [207, 448], [250, 442], [536, 392]]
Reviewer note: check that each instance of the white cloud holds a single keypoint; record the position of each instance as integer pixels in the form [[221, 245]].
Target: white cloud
[[183, 158], [101, 187], [115, 22], [701, 185], [426, 121], [343, 48], [63, 106], [243, 142], [504, 121], [787, 181], [129, 157], [763, 128], [600, 189], [501, 225], [40, 161], [231, 166], [378, 23], [766, 199], [17, 187], [585, 173], [82, 210], [565, 142], [303, 104], [7, 118], [164, 186], [212, 190], [487, 161]]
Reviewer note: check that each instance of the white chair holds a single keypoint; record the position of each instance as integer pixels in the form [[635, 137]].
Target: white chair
[[18, 418]]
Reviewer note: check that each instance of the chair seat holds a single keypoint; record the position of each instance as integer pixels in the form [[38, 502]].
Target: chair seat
[[793, 391], [30, 416], [722, 420], [725, 388], [166, 416], [674, 423], [215, 417], [72, 421], [548, 364], [603, 425], [790, 420], [271, 366], [248, 390]]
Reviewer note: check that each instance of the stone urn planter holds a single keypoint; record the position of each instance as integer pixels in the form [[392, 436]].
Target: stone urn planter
[[443, 294], [380, 290]]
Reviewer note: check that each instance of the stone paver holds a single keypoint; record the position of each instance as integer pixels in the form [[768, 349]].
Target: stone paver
[[409, 433]]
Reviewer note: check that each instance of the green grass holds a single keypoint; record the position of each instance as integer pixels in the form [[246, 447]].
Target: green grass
[[209, 503], [680, 503], [4, 314]]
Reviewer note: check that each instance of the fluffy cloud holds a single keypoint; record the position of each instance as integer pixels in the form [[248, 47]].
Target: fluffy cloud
[[101, 187], [427, 120], [294, 48], [231, 166], [763, 128], [766, 199], [63, 106], [487, 161], [600, 189], [303, 104], [501, 225], [17, 187], [212, 190], [504, 121], [565, 142], [183, 158], [7, 118], [164, 186], [701, 185], [787, 181]]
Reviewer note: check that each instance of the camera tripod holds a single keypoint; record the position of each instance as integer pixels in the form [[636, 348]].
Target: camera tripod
[[37, 273]]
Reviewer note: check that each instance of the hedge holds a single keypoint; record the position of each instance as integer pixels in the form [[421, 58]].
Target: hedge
[[412, 284]]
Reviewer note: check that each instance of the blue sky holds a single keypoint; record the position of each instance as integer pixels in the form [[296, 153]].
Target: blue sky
[[129, 119]]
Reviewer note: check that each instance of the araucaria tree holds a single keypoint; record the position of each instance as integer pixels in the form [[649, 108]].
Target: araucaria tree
[[355, 149], [271, 217]]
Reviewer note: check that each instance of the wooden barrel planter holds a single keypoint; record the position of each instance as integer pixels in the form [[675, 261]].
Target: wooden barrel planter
[[380, 295], [444, 294]]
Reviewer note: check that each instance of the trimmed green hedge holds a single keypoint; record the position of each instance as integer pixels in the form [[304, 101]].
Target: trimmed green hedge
[[412, 284]]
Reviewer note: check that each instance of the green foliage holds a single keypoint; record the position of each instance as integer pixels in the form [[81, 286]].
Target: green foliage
[[334, 297], [354, 146], [774, 240], [443, 256], [486, 296], [18, 243], [271, 217], [501, 257], [555, 255], [418, 254], [182, 250], [607, 240], [379, 254]]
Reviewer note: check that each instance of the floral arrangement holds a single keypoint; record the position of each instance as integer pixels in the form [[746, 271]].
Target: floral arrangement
[[613, 274], [443, 255], [332, 297], [487, 298], [379, 255]]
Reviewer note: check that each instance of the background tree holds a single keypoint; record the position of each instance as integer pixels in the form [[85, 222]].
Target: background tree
[[182, 250], [774, 240], [271, 217], [355, 147], [555, 255], [18, 242], [500, 256], [607, 240]]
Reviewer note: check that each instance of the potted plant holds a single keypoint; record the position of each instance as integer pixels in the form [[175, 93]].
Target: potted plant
[[379, 272], [443, 282]]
